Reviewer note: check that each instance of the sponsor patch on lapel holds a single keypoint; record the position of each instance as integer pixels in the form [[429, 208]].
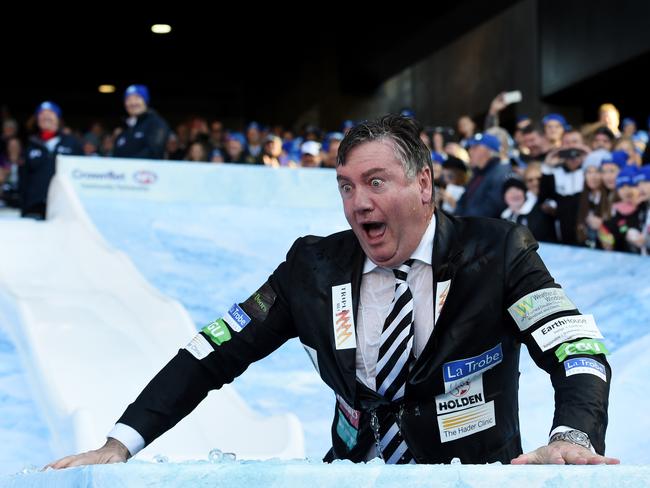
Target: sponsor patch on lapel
[[455, 373], [538, 305], [565, 329], [199, 347], [466, 422], [442, 290], [343, 317], [468, 394], [585, 366]]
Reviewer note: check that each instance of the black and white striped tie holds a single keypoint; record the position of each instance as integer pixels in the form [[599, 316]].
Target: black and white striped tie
[[393, 364]]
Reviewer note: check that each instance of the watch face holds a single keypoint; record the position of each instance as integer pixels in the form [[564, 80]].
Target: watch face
[[578, 436]]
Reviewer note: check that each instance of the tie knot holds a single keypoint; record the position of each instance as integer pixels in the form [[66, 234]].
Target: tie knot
[[402, 271]]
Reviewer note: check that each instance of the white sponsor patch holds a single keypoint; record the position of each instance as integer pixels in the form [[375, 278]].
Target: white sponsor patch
[[313, 355], [539, 305], [585, 366], [467, 394], [565, 329], [342, 317], [466, 422], [199, 347], [442, 290]]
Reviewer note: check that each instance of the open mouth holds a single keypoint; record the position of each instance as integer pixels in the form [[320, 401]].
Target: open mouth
[[374, 230]]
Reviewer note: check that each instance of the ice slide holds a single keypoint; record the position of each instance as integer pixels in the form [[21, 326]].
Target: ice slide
[[91, 331]]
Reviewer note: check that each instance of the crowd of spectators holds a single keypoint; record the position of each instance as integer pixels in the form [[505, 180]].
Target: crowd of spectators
[[584, 186]]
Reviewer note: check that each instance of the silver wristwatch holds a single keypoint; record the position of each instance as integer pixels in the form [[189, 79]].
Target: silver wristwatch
[[573, 436]]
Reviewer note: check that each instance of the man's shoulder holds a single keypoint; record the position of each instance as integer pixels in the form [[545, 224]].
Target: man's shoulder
[[488, 230]]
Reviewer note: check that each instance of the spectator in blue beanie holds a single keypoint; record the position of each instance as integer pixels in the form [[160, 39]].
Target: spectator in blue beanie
[[40, 159], [628, 126], [614, 232], [554, 127], [144, 133], [483, 197]]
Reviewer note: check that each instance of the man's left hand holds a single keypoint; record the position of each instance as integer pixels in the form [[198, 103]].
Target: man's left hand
[[561, 452]]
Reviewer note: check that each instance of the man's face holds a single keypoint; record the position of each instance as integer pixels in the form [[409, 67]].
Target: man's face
[[134, 105], [479, 155], [553, 130], [534, 142], [387, 211], [601, 141], [310, 161], [572, 139], [48, 120]]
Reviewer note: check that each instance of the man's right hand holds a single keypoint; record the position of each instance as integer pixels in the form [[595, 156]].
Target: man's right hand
[[111, 452]]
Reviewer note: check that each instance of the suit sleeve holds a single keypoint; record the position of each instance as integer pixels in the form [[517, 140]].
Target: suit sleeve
[[560, 340], [220, 352]]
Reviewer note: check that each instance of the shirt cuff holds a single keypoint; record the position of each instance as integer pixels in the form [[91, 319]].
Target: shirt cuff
[[563, 428], [128, 436]]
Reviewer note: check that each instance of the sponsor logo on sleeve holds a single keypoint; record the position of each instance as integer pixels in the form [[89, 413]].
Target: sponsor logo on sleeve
[[566, 329], [236, 318], [469, 393], [539, 305], [585, 346], [342, 317], [585, 366], [442, 290], [260, 302], [466, 422], [199, 347], [455, 373], [218, 332]]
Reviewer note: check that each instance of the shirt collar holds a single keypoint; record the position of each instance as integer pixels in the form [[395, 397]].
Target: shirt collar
[[423, 252]]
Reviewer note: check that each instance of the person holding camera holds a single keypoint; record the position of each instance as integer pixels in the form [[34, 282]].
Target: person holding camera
[[560, 188]]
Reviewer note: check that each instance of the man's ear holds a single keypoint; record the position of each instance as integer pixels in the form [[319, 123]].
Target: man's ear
[[425, 181]]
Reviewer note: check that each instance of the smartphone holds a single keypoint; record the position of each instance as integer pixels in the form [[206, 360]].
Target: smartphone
[[512, 97]]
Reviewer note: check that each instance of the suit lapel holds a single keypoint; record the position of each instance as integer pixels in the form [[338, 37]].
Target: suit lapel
[[447, 252]]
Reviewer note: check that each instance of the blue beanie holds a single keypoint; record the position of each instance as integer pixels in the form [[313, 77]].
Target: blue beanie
[[436, 157], [558, 117], [348, 124], [627, 176], [49, 106], [253, 125], [488, 140], [643, 174], [140, 90], [236, 136], [628, 121]]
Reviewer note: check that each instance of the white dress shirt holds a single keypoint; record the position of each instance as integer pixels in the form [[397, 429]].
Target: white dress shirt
[[377, 291]]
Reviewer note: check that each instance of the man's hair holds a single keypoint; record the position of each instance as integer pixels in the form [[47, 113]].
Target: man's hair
[[533, 127], [404, 134], [606, 132]]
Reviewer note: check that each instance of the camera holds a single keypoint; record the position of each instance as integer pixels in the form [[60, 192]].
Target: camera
[[572, 153]]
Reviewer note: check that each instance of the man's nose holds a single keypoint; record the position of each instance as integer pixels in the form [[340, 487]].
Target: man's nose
[[362, 201]]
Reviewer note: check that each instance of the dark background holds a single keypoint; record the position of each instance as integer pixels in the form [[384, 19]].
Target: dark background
[[314, 64]]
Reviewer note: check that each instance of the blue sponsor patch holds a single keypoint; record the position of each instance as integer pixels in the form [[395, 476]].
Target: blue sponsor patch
[[585, 366], [455, 372], [236, 318]]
